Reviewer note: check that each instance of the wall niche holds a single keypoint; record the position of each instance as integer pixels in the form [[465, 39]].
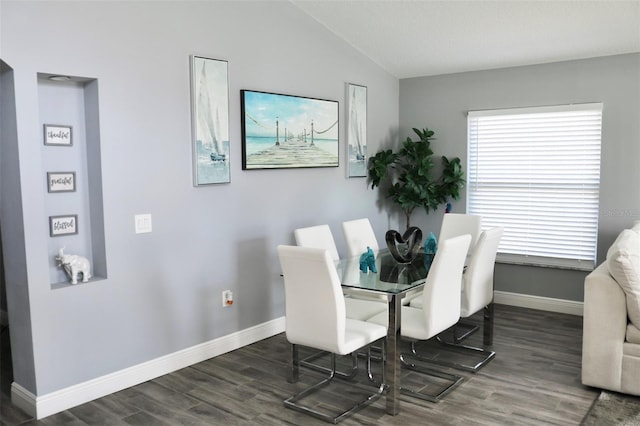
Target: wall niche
[[72, 172]]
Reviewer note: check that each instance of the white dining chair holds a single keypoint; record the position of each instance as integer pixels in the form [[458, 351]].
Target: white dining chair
[[359, 235], [477, 295], [454, 224], [309, 273], [440, 310], [318, 236]]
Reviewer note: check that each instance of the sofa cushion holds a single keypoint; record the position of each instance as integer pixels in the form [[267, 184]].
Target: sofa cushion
[[623, 262], [633, 334]]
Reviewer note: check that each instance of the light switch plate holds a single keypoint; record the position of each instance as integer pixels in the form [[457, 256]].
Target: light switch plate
[[143, 223]]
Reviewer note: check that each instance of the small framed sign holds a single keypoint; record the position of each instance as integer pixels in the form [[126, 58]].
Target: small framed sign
[[58, 135], [63, 225], [61, 181]]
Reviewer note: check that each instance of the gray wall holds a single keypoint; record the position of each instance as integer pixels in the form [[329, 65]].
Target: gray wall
[[163, 289], [441, 103], [14, 255]]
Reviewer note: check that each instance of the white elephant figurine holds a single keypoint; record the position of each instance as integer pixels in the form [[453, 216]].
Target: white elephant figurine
[[74, 265]]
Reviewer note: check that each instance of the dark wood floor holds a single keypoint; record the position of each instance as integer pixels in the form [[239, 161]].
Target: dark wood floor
[[534, 380]]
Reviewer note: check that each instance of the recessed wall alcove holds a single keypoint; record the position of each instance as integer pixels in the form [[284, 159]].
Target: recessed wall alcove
[[73, 102]]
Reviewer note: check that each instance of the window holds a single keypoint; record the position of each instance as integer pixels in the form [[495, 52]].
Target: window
[[536, 172]]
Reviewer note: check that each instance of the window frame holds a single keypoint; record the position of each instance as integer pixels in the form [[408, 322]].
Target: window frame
[[497, 124]]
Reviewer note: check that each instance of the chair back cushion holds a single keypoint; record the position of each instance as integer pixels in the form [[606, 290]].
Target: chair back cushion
[[623, 262], [359, 235], [441, 293], [314, 303], [454, 224], [319, 236], [477, 281]]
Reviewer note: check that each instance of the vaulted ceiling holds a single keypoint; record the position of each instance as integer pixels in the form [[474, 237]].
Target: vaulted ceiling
[[411, 38]]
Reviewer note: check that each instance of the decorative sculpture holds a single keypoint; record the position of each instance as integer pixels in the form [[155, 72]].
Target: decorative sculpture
[[74, 265], [431, 244], [404, 248], [368, 261]]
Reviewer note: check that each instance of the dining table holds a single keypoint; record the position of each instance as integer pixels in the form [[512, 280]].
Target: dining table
[[393, 281]]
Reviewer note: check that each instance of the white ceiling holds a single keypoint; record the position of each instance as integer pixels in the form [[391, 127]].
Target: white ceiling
[[430, 37]]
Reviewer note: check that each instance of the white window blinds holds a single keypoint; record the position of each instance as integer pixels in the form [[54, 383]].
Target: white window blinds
[[536, 172]]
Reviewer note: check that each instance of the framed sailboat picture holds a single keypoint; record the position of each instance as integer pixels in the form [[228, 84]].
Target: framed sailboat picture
[[285, 131], [356, 130], [210, 120]]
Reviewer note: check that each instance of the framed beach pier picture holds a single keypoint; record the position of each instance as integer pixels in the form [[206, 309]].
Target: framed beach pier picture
[[210, 120], [356, 130], [285, 131]]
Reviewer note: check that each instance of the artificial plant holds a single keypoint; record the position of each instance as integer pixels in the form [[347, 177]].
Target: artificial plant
[[410, 172]]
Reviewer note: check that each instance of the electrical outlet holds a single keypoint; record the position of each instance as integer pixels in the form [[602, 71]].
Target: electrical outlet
[[227, 298]]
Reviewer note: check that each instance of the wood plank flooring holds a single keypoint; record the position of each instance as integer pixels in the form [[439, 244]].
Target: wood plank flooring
[[534, 380]]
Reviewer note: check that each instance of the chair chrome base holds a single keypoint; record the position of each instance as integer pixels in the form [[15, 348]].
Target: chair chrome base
[[488, 356], [454, 380], [459, 336], [293, 404], [308, 362], [487, 340]]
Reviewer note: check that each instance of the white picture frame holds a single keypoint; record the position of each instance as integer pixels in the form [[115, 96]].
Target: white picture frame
[[356, 130], [210, 121]]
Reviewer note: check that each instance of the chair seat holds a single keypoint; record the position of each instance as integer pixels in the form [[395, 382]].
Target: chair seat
[[359, 334], [413, 323], [416, 301], [362, 310]]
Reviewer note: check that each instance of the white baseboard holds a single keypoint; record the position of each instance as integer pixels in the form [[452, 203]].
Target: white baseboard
[[538, 302], [55, 402], [22, 398]]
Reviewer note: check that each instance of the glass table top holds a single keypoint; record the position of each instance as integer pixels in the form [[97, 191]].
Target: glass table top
[[392, 277]]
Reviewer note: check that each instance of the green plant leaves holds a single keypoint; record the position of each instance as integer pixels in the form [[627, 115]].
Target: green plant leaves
[[378, 166], [410, 174]]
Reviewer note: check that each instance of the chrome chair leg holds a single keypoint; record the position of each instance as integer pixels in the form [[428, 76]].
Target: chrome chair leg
[[488, 325], [454, 380], [294, 373], [307, 362], [487, 328], [485, 355], [381, 358], [459, 336], [368, 356], [292, 402]]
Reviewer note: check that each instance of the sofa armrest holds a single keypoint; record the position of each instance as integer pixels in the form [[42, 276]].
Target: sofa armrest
[[603, 332]]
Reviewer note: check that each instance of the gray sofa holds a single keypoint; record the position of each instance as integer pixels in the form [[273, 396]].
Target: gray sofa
[[611, 322]]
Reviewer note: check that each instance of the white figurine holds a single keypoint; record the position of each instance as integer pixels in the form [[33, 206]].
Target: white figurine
[[74, 265]]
